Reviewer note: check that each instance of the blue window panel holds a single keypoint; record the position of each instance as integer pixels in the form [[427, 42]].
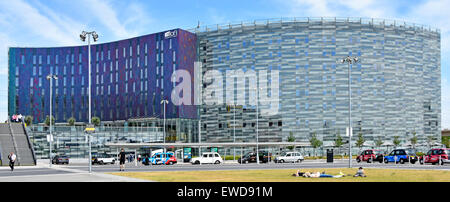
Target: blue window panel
[[298, 93], [324, 108], [297, 67], [253, 67], [243, 43], [220, 59], [333, 66], [297, 40], [324, 66], [279, 41], [334, 105], [279, 53], [306, 93], [279, 67], [228, 57], [333, 53], [297, 53], [306, 79], [252, 43], [270, 67], [306, 105], [306, 122], [306, 40], [253, 55], [359, 91], [333, 92], [219, 46], [333, 39], [324, 78], [306, 53], [324, 92], [243, 55], [298, 107], [297, 79], [270, 54], [306, 67], [359, 67], [350, 53], [359, 53], [350, 40], [324, 53], [244, 69], [228, 45], [270, 41]]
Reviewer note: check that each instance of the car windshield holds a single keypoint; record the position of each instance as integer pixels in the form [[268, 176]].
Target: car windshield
[[283, 154], [378, 152]]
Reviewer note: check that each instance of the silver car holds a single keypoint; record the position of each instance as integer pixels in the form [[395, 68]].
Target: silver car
[[293, 157]]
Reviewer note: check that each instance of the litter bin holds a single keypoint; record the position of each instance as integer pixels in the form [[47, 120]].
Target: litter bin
[[329, 155]]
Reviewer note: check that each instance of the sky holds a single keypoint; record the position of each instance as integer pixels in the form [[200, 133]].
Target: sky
[[35, 23]]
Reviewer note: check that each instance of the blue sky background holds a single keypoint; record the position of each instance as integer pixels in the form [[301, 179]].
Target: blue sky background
[[58, 23]]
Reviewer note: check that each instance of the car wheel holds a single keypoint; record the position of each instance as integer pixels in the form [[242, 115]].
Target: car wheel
[[113, 162], [358, 160], [442, 162], [101, 162], [386, 161], [299, 161], [197, 162], [217, 162], [421, 161], [413, 162], [402, 161], [369, 161], [282, 161], [245, 162], [381, 161], [171, 163]]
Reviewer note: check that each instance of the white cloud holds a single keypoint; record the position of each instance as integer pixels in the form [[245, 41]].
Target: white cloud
[[105, 13]]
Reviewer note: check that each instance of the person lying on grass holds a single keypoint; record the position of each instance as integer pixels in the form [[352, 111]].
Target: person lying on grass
[[316, 174]]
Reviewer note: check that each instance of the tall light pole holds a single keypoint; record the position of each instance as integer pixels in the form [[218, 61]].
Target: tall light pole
[[50, 77], [83, 36], [164, 102], [257, 129], [234, 131], [350, 60]]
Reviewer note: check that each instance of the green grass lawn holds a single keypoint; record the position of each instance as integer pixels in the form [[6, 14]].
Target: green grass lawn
[[285, 175]]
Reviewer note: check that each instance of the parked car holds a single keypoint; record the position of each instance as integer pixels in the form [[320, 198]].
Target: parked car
[[250, 157], [294, 157], [160, 158], [208, 157], [103, 159], [370, 155], [60, 159], [402, 156], [434, 154]]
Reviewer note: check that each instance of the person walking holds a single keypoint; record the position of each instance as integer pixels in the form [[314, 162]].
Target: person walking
[[12, 159], [122, 160]]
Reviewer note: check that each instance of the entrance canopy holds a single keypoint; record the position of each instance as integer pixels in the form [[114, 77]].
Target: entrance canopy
[[208, 144]]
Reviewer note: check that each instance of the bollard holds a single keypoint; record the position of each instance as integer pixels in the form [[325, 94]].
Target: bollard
[[439, 163]]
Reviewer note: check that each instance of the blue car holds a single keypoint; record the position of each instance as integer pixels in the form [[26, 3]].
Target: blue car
[[160, 158], [402, 156]]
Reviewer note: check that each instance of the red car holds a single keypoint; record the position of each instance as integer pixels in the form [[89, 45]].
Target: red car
[[370, 155], [435, 156]]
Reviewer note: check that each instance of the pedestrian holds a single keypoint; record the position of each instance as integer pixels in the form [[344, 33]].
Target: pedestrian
[[122, 160], [12, 159], [360, 173]]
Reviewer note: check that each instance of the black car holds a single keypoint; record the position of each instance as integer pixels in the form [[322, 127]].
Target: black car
[[60, 160], [250, 157]]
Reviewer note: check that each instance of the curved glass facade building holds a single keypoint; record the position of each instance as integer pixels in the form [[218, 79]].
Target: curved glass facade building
[[395, 88]]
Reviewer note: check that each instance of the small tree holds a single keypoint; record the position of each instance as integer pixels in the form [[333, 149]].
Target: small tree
[[71, 121], [360, 141], [291, 138], [29, 120], [379, 142], [47, 120], [315, 143], [96, 121], [338, 142], [396, 141], [413, 140]]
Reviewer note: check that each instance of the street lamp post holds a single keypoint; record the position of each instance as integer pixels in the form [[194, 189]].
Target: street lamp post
[[164, 102], [50, 77], [83, 36], [350, 60], [257, 129]]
